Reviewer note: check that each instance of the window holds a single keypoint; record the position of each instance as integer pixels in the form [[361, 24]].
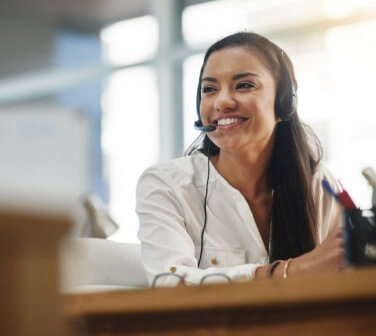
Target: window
[[130, 140], [130, 135]]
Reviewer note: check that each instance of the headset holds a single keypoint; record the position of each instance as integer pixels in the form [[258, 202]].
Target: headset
[[286, 105]]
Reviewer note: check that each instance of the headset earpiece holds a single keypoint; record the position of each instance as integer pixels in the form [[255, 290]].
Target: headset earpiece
[[287, 99]]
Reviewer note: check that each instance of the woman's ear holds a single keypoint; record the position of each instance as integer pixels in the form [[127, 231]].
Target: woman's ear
[[278, 119]]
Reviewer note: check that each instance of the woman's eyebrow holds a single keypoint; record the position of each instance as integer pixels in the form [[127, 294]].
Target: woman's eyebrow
[[209, 79], [235, 77], [244, 74]]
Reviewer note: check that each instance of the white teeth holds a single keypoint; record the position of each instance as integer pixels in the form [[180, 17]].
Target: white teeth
[[229, 121]]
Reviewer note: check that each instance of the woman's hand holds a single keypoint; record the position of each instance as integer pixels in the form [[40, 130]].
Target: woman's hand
[[326, 257]]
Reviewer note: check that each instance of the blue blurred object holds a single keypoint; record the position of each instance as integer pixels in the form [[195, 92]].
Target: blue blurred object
[[329, 189]]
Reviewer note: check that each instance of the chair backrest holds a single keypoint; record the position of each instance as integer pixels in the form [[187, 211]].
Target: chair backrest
[[93, 264]]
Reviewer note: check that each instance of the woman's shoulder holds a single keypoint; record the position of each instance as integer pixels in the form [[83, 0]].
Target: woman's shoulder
[[180, 171], [324, 173]]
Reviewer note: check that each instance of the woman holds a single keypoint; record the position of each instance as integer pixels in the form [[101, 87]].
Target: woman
[[247, 201]]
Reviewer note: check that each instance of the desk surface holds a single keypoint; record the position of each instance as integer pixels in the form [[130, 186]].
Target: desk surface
[[29, 240], [344, 302]]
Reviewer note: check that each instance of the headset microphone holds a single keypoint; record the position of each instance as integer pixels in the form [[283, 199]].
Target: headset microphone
[[199, 127]]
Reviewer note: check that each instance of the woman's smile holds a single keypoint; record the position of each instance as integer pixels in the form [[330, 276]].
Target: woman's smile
[[229, 122]]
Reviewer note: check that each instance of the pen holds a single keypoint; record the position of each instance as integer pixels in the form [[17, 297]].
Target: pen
[[342, 197], [329, 189], [345, 198]]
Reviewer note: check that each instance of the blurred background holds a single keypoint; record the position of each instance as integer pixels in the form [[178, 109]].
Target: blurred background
[[93, 92]]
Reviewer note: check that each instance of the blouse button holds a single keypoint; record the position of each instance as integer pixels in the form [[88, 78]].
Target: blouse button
[[173, 269], [214, 261]]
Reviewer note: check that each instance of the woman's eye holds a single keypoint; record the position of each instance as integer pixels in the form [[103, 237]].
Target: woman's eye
[[207, 89], [245, 85]]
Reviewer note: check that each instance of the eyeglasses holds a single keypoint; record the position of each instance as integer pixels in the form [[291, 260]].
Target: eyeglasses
[[173, 279]]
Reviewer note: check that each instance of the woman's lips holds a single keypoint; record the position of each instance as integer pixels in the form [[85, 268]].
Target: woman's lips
[[227, 123], [230, 121]]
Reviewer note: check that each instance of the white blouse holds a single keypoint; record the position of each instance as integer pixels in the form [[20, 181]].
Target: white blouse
[[170, 206]]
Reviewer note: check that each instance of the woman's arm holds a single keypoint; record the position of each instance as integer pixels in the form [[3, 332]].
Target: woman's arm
[[326, 257]]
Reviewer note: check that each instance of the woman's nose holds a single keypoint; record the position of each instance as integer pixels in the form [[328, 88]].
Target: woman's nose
[[225, 101]]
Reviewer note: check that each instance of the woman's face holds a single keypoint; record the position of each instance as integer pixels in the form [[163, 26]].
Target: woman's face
[[237, 97]]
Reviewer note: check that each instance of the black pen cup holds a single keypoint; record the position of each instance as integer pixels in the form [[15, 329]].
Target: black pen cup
[[360, 237]]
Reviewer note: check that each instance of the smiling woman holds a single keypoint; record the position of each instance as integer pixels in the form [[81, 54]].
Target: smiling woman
[[248, 195]]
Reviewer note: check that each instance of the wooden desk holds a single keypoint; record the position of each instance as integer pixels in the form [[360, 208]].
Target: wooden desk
[[340, 304], [29, 272]]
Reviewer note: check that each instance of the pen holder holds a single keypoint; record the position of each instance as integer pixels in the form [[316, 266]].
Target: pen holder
[[360, 237]]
